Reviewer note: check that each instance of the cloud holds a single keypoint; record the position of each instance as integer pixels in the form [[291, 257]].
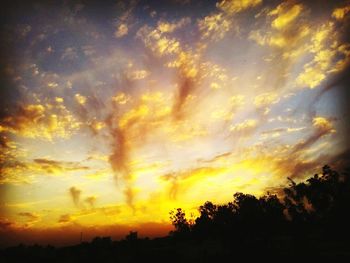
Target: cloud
[[214, 27], [30, 217], [289, 40], [80, 99], [340, 13], [121, 98], [188, 76], [91, 200], [5, 224], [11, 168], [236, 6], [167, 27], [120, 156], [122, 30], [330, 55], [137, 74], [244, 128], [185, 87], [57, 167], [75, 194], [155, 41], [265, 100], [322, 126], [286, 14], [66, 218], [16, 169], [125, 20], [70, 53], [217, 158], [279, 131], [316, 71], [40, 121], [130, 194]]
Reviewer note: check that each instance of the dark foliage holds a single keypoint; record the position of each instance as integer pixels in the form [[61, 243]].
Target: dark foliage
[[311, 221]]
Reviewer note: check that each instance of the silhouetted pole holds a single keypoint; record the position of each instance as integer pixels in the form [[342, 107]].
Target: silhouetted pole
[[81, 237]]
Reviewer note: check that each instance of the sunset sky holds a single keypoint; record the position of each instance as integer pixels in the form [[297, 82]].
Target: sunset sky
[[114, 113]]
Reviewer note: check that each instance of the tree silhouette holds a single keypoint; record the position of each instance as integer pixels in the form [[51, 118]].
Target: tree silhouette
[[179, 221], [309, 209]]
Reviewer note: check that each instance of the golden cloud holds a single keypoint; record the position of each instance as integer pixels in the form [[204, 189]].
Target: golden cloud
[[327, 58], [80, 99], [340, 13], [291, 39], [17, 171], [166, 27], [322, 124], [66, 218], [41, 121], [286, 14], [236, 6], [265, 100], [55, 167], [244, 128], [121, 98], [214, 27], [155, 41]]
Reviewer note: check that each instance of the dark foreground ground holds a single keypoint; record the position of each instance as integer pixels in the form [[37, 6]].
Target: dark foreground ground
[[169, 249]]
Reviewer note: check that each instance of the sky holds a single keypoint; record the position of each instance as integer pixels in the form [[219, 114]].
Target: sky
[[113, 113]]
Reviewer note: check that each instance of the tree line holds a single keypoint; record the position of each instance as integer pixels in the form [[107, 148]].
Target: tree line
[[315, 210]]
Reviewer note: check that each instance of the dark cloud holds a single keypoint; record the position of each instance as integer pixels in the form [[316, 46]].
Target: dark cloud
[[185, 86], [5, 223], [91, 201], [75, 193], [216, 158], [53, 167], [66, 218], [319, 132], [31, 217]]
